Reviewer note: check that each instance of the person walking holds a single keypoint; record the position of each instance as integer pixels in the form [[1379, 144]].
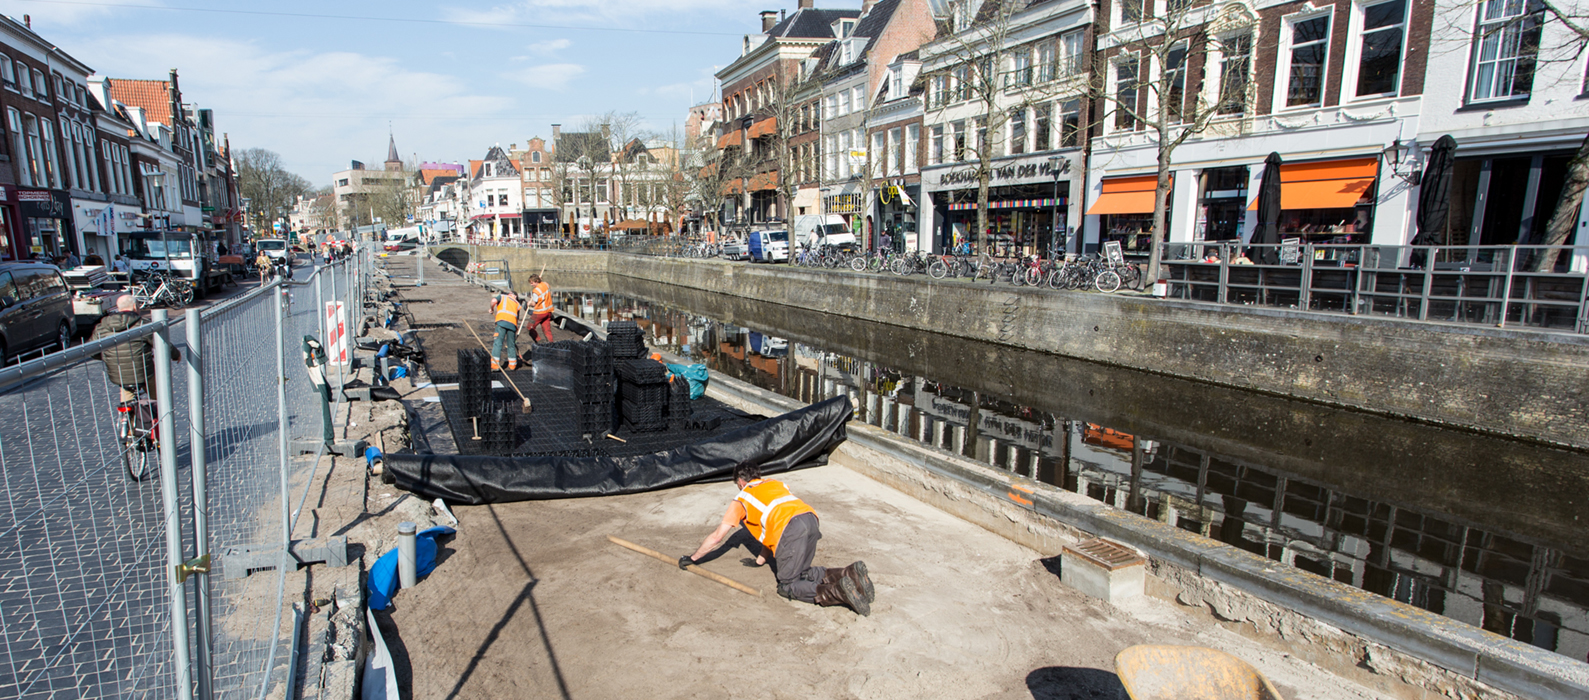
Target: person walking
[[787, 529], [508, 314], [129, 365], [541, 310]]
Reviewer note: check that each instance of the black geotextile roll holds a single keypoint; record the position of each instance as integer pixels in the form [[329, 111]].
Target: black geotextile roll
[[640, 371], [800, 438], [474, 381]]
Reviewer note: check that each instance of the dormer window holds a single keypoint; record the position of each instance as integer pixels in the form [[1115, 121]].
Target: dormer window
[[843, 27], [846, 51]]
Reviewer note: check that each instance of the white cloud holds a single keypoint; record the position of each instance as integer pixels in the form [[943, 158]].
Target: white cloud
[[317, 109], [548, 47], [550, 76]]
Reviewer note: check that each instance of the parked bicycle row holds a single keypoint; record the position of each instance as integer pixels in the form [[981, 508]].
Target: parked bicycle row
[[1070, 272]]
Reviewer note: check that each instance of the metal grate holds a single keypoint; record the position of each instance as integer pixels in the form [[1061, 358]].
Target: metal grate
[[1105, 554]]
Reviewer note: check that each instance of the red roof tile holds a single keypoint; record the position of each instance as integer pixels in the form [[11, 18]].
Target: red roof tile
[[152, 96]]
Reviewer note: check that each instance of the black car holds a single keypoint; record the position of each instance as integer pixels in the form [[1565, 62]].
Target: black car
[[35, 309]]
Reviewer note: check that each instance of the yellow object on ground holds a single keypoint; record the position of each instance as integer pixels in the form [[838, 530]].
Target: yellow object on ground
[[1164, 672]]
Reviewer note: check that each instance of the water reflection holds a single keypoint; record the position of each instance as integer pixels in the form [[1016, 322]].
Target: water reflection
[[1408, 512]]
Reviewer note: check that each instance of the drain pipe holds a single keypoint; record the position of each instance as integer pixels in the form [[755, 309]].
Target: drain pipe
[[405, 554]]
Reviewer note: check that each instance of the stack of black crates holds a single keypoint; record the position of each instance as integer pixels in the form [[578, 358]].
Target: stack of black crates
[[626, 339], [642, 382], [591, 363], [495, 423]]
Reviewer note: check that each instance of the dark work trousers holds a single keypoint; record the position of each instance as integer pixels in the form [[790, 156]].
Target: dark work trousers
[[797, 578]]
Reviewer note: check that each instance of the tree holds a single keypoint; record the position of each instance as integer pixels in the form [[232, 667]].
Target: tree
[[1174, 107], [269, 187], [983, 39], [1572, 191]]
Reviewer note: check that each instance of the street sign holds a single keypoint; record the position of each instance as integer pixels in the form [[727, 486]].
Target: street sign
[[336, 333]]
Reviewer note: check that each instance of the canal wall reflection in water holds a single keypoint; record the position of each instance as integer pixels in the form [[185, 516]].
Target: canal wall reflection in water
[[1461, 566]]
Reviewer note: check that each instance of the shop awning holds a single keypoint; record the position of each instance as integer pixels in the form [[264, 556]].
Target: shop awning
[[729, 139], [764, 127], [1127, 195], [1330, 184], [764, 181]]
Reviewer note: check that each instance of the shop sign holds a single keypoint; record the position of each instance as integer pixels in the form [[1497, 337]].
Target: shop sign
[[42, 204], [1012, 171], [1112, 253]]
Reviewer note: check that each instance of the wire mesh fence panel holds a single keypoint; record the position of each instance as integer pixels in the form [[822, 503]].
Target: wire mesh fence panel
[[84, 599], [243, 472]]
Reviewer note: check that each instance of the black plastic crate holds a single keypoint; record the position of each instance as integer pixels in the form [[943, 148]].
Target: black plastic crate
[[678, 401], [645, 394], [625, 339], [640, 371], [474, 381]]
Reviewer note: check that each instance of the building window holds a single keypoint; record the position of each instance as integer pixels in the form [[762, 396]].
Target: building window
[[24, 79], [19, 148], [959, 145], [1021, 73], [1309, 46], [1175, 84], [535, 157], [1126, 94], [8, 74], [935, 149], [983, 143], [879, 154], [41, 87], [1131, 11], [844, 103], [962, 82], [1047, 62], [860, 97], [912, 138], [940, 89], [1018, 131], [1070, 53], [1235, 62], [1070, 124], [1379, 61], [896, 150], [1042, 127], [830, 165], [72, 176], [1506, 45]]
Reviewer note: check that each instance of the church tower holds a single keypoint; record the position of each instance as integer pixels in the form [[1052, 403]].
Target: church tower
[[393, 161]]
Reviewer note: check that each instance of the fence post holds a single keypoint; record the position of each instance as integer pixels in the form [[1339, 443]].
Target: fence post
[[419, 261], [201, 521], [168, 493], [1506, 294], [1305, 289]]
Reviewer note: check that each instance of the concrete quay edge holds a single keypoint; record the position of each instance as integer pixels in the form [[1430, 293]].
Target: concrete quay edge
[[1461, 649]]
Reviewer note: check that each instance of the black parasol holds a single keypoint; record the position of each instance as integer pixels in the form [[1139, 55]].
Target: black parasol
[[1434, 194], [1268, 233]]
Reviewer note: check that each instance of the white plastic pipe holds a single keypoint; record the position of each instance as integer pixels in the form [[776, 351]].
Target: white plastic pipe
[[405, 554]]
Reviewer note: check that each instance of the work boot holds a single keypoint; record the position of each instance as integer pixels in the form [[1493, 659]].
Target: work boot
[[857, 575], [513, 364], [831, 575], [842, 593], [494, 365]]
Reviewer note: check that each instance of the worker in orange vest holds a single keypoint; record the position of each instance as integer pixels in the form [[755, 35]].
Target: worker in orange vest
[[787, 529], [508, 314], [540, 310]]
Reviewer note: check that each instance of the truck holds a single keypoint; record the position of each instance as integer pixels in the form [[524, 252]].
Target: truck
[[817, 230], [182, 254], [406, 238]]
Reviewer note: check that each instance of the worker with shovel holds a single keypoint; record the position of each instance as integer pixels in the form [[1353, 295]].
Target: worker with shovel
[[540, 310], [787, 529], [509, 316]]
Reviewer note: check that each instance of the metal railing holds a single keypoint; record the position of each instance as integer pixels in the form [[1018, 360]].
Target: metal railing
[[1479, 285], [105, 589]]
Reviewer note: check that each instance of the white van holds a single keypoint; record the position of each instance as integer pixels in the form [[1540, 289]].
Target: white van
[[817, 230]]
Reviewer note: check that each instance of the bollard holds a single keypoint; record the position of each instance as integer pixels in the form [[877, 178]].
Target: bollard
[[419, 261], [405, 554]]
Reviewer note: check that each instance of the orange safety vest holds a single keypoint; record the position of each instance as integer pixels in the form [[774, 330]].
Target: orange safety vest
[[508, 310], [768, 508], [541, 299]]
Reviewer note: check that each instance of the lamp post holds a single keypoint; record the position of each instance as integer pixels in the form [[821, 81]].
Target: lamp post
[[1053, 221]]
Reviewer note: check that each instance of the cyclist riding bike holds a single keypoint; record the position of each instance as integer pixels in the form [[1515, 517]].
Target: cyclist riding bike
[[266, 267], [130, 366]]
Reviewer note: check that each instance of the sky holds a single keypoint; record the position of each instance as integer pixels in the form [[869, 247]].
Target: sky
[[322, 82]]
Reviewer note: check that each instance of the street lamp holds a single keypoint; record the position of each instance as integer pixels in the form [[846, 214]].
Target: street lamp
[[1053, 222]]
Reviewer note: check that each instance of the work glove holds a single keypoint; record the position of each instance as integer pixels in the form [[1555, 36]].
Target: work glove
[[751, 562], [685, 561]]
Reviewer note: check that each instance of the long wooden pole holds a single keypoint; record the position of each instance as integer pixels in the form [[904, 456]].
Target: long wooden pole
[[503, 370], [731, 583]]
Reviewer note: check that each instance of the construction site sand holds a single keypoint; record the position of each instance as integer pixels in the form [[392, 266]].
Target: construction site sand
[[530, 600]]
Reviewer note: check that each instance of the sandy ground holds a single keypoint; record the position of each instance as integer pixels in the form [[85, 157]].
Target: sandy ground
[[530, 600]]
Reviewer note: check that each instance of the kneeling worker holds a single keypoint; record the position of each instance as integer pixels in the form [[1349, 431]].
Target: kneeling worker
[[787, 529], [509, 316]]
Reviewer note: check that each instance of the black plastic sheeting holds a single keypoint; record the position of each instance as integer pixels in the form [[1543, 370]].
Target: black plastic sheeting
[[800, 438]]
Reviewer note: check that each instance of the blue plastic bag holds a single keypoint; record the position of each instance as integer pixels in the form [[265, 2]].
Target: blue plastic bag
[[697, 376], [383, 575]]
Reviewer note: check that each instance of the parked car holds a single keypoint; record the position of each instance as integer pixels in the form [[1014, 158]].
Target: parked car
[[735, 249], [35, 309]]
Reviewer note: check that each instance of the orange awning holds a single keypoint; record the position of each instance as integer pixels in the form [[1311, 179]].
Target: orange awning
[[734, 186], [709, 170], [731, 138], [764, 181], [1127, 195], [764, 127], [1330, 184]]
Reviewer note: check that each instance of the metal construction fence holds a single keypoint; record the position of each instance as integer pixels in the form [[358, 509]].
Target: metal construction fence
[[130, 458]]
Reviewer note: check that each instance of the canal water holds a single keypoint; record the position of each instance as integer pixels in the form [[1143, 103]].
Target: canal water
[[1479, 529]]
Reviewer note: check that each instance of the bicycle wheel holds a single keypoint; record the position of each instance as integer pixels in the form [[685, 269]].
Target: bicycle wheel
[[1034, 276], [1107, 281], [1056, 279], [184, 295], [858, 263], [898, 267], [938, 270]]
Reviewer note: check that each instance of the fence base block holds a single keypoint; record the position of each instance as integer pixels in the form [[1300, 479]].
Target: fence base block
[[341, 448], [239, 562]]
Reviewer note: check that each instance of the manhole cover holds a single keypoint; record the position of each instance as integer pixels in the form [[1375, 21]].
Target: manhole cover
[[1105, 554]]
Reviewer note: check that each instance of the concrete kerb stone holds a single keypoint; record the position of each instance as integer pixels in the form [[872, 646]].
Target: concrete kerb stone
[[1459, 656]]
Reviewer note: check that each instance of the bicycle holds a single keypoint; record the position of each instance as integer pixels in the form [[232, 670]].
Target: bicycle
[[155, 288], [139, 430]]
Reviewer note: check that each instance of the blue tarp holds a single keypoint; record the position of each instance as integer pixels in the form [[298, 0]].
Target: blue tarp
[[383, 576], [697, 376]]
